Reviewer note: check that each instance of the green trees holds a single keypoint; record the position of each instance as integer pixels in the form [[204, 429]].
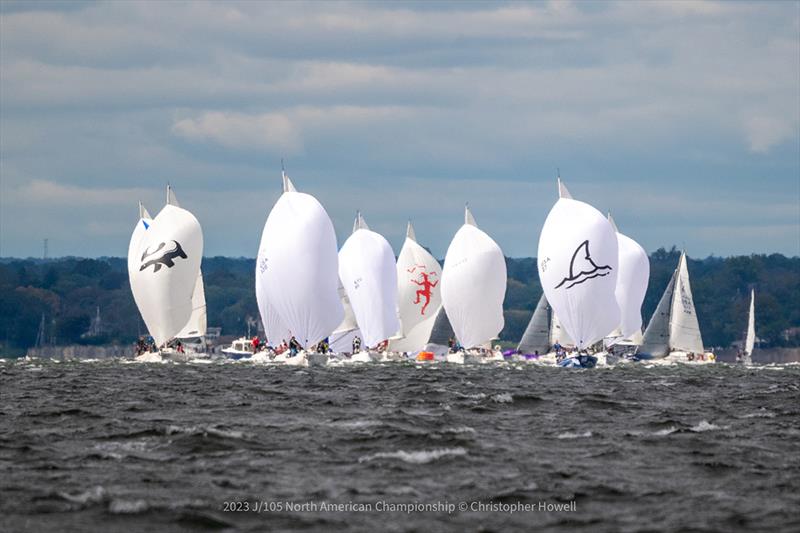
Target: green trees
[[68, 291]]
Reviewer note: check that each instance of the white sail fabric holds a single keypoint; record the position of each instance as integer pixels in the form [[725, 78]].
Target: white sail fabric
[[474, 285], [369, 275], [144, 222], [298, 266], [655, 341], [343, 342], [418, 289], [632, 280], [349, 322], [274, 328], [164, 268], [198, 321], [557, 332], [417, 338], [537, 335], [750, 339], [684, 328], [578, 266]]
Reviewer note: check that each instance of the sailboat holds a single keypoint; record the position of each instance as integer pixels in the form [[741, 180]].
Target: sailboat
[[578, 259], [673, 333], [163, 267], [473, 288], [632, 281], [544, 331], [298, 264], [419, 296], [367, 271], [746, 355]]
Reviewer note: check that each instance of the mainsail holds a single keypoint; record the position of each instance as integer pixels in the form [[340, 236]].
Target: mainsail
[[578, 267], [557, 332], [632, 280], [750, 338], [442, 331], [474, 285], [164, 267], [537, 335], [367, 270], [684, 329], [298, 264]]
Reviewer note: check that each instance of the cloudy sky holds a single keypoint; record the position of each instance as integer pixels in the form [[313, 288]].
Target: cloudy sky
[[681, 118]]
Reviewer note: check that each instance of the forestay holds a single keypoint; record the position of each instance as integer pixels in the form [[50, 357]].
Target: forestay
[[299, 266], [474, 285], [367, 270], [578, 266]]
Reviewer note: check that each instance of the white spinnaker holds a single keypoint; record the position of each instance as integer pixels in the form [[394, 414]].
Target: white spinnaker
[[299, 266], [474, 285], [750, 339], [418, 284], [416, 339], [274, 328], [684, 328], [144, 222], [198, 321], [165, 270], [578, 265], [632, 279], [369, 275]]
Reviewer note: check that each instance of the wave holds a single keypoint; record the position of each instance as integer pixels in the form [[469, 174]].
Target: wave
[[504, 397], [205, 431], [568, 435], [419, 457], [705, 426], [96, 494], [127, 506]]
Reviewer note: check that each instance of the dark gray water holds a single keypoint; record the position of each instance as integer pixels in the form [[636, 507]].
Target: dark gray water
[[107, 446]]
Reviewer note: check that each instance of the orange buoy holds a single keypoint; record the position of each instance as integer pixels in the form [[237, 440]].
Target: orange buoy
[[425, 356]]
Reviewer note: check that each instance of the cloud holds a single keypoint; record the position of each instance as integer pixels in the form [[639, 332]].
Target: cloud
[[270, 131], [764, 132], [673, 114]]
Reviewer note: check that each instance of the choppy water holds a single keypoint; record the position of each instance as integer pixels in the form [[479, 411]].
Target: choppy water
[[108, 446]]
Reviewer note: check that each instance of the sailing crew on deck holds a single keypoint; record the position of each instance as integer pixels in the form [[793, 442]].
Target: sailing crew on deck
[[294, 346], [356, 344]]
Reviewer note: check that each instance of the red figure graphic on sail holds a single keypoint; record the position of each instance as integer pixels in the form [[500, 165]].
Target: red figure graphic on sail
[[426, 284]]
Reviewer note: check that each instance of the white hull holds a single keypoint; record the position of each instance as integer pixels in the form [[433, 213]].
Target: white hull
[[683, 358], [472, 358]]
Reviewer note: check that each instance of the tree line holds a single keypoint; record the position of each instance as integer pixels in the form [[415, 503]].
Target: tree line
[[57, 300]]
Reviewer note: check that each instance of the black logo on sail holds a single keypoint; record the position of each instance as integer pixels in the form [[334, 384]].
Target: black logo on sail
[[582, 268], [164, 257]]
